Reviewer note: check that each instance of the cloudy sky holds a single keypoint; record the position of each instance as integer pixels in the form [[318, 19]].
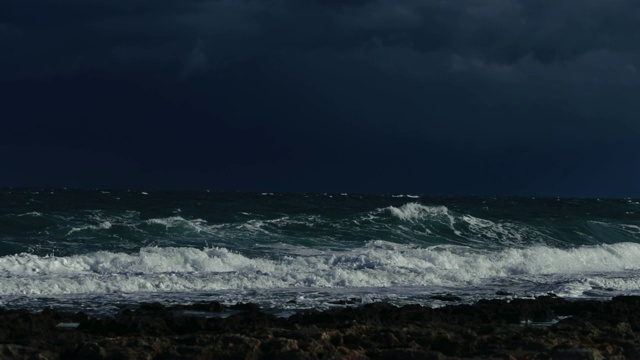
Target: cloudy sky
[[474, 97]]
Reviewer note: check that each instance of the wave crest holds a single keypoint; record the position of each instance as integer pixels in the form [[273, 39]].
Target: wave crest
[[414, 212], [377, 264]]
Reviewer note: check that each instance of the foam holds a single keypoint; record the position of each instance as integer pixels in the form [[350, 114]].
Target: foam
[[620, 283], [502, 233], [415, 212], [32, 213], [378, 264], [99, 222], [281, 222], [101, 226], [468, 229], [196, 225]]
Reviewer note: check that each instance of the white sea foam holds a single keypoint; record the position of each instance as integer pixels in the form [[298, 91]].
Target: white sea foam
[[196, 225], [503, 233], [32, 213], [98, 221], [378, 264], [415, 212], [101, 226]]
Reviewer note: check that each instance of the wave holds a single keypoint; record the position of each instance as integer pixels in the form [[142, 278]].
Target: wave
[[325, 224], [101, 226], [456, 228], [377, 264], [415, 212], [615, 230], [31, 213]]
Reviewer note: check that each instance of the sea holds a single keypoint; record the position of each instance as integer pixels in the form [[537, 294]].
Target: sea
[[99, 251]]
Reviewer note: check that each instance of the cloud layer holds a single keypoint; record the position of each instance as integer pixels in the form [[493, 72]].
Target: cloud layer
[[305, 88]]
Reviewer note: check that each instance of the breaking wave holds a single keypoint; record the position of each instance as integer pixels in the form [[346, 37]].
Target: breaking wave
[[377, 264]]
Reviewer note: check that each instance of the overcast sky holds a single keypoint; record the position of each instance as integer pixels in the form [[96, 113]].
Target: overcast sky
[[465, 97]]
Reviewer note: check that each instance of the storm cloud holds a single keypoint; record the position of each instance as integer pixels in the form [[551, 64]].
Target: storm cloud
[[465, 97]]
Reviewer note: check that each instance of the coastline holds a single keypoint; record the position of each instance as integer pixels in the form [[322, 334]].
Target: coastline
[[541, 328]]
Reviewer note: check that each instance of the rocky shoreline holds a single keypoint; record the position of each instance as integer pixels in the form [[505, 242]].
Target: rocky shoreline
[[547, 327]]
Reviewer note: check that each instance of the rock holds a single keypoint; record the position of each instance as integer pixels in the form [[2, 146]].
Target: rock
[[245, 307], [350, 301], [212, 306], [503, 293], [487, 329], [13, 351], [151, 307], [628, 299], [280, 348], [446, 297], [576, 354], [91, 350], [535, 344], [335, 337], [409, 353]]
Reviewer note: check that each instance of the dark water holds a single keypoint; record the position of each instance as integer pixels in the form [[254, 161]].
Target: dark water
[[89, 248]]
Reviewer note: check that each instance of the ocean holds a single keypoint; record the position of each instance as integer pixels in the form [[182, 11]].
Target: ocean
[[99, 251]]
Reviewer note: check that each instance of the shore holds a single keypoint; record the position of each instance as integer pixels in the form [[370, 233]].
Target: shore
[[547, 327]]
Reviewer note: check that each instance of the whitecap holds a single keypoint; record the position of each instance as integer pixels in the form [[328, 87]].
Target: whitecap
[[378, 264]]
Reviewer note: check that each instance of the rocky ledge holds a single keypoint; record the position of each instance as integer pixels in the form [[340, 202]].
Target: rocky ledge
[[547, 327]]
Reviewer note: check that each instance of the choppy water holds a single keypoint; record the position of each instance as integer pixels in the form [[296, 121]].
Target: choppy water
[[95, 250]]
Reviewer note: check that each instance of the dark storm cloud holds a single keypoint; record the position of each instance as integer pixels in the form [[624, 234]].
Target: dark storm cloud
[[317, 87], [501, 39], [9, 32]]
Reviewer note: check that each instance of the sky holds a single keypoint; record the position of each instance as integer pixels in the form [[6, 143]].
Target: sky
[[465, 97]]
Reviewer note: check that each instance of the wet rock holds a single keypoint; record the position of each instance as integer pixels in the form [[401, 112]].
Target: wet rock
[[13, 351], [350, 301], [335, 337], [446, 297], [576, 354], [238, 346], [537, 345], [503, 293], [409, 353], [487, 329], [151, 308], [281, 348], [628, 299], [245, 307], [386, 339], [91, 350], [212, 306]]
